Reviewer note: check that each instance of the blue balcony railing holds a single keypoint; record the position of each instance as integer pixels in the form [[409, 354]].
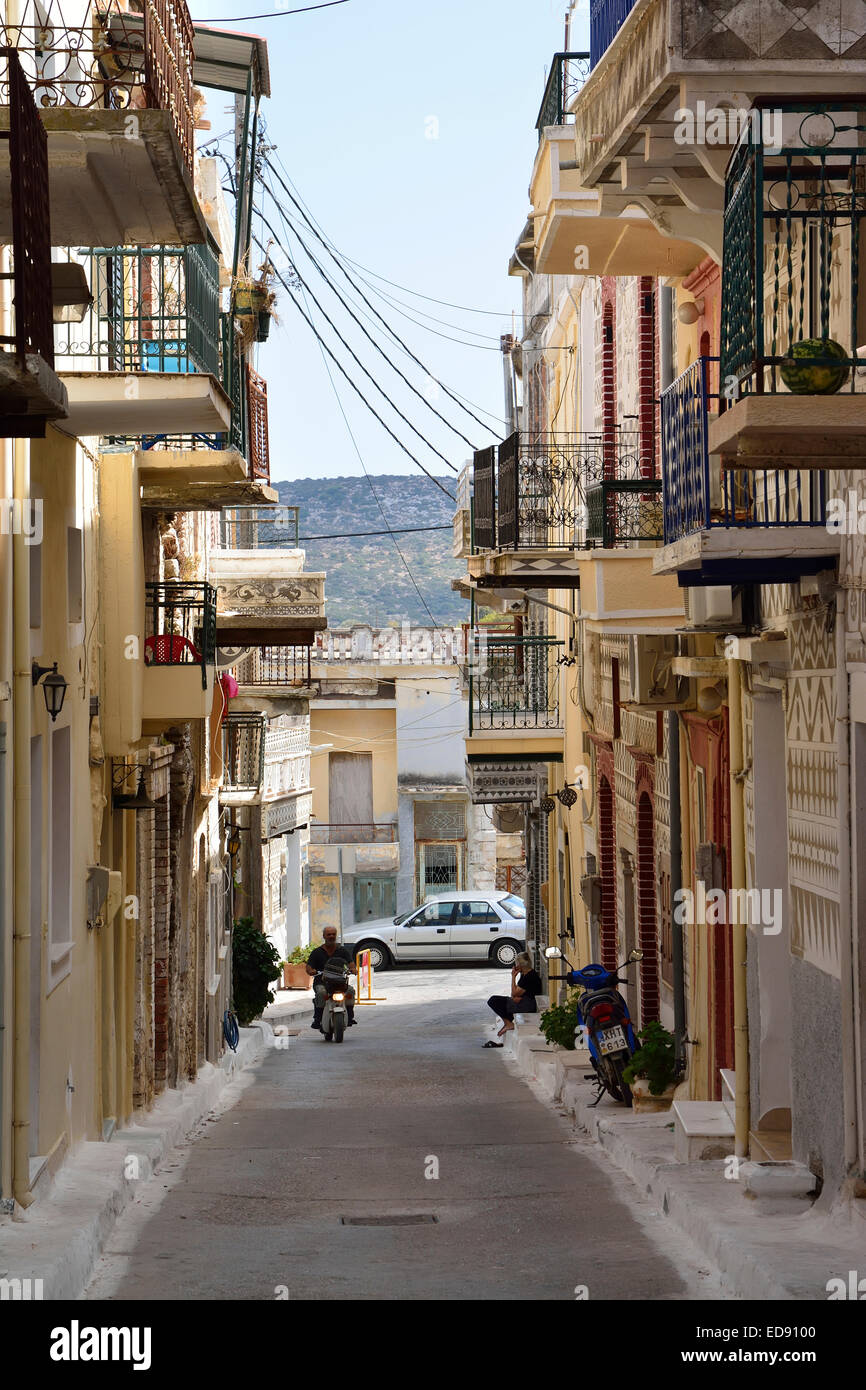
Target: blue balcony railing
[[606, 18], [697, 494]]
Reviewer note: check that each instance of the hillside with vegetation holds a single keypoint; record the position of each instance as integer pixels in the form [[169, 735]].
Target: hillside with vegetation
[[366, 579]]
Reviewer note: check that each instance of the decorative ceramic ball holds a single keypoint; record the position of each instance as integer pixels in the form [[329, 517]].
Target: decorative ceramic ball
[[810, 369]]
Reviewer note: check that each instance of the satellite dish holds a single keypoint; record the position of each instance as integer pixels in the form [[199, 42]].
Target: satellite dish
[[230, 656]]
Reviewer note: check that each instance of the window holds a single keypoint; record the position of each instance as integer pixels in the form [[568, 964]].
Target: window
[[433, 914], [60, 891], [475, 912], [36, 585], [74, 573], [514, 906]]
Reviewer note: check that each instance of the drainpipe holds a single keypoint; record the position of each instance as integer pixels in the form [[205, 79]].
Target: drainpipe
[[506, 344], [3, 1187], [740, 929], [22, 695], [847, 982]]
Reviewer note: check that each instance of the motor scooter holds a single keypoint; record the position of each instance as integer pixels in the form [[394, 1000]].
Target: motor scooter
[[334, 1011], [605, 1022]]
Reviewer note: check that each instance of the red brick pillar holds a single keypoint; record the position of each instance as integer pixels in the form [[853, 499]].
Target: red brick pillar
[[161, 916], [647, 384], [646, 896]]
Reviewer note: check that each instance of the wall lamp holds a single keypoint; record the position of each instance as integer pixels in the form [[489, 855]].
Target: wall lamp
[[53, 687]]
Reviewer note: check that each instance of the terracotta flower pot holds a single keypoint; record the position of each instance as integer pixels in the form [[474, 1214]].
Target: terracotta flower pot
[[645, 1103], [296, 977]]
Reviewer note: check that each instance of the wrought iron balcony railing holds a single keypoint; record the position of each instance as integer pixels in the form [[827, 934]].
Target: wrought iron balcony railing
[[99, 53], [276, 666], [513, 683], [697, 494], [31, 237], [568, 72], [259, 528], [567, 492], [155, 309], [353, 833], [257, 426], [606, 18], [792, 295], [180, 625], [244, 752]]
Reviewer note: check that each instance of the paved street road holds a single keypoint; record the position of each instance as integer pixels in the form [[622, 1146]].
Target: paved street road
[[318, 1132]]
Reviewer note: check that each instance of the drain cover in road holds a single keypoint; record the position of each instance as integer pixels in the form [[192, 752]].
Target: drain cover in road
[[417, 1219]]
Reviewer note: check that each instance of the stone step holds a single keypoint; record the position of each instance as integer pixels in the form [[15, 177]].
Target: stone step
[[703, 1129], [770, 1145], [729, 1091]]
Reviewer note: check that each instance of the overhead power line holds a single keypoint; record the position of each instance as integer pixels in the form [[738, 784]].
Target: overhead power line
[[271, 14], [360, 292], [355, 388], [369, 375], [356, 535], [367, 334]]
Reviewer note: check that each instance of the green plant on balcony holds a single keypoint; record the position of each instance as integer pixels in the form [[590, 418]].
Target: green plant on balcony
[[254, 300]]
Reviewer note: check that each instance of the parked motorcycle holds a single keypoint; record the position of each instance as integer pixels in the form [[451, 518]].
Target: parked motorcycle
[[334, 1012], [604, 1021]]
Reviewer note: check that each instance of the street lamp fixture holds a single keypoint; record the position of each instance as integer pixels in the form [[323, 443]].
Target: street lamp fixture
[[53, 687]]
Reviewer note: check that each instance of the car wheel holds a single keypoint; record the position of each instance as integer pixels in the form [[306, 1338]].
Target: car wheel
[[505, 953], [380, 956]]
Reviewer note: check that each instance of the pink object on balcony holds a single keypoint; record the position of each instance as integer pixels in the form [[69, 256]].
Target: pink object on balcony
[[229, 685]]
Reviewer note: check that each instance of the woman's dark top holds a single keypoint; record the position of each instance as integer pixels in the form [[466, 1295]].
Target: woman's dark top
[[530, 983]]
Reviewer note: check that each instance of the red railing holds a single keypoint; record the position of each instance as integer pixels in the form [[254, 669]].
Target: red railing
[[31, 235], [107, 56], [257, 398]]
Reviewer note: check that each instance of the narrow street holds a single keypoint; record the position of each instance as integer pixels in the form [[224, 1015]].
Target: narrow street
[[253, 1206]]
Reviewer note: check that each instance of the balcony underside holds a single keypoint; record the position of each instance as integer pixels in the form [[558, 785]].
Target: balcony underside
[[194, 480], [753, 555], [525, 745], [525, 568], [30, 394], [272, 700], [788, 431], [609, 244], [133, 404], [116, 178], [247, 630]]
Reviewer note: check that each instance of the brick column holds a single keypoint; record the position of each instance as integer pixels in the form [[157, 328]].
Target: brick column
[[646, 891]]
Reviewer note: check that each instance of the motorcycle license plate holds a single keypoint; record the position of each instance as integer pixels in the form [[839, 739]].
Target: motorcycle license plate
[[611, 1040]]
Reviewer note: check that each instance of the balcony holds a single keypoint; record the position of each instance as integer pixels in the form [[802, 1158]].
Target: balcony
[[731, 526], [243, 757], [264, 597], [276, 680], [30, 392], [794, 313], [354, 847], [115, 91], [382, 647], [663, 107], [179, 653], [556, 497], [514, 697]]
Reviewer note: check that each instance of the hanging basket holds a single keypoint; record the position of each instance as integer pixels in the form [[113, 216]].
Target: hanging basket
[[250, 299], [263, 325]]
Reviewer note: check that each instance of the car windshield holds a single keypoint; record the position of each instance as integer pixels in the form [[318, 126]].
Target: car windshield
[[515, 907], [403, 916]]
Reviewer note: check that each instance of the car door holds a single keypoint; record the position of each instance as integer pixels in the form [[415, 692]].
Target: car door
[[474, 930], [426, 935]]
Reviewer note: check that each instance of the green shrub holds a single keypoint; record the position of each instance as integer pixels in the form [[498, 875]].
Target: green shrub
[[655, 1061], [558, 1023], [300, 955], [255, 963]]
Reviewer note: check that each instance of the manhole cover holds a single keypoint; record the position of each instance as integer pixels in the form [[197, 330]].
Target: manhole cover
[[418, 1219]]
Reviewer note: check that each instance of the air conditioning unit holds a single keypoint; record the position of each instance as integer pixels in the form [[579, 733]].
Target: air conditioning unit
[[714, 607], [653, 683]]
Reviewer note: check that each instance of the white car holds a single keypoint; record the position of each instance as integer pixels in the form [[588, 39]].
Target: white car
[[452, 926]]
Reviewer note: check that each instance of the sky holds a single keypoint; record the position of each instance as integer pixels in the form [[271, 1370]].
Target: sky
[[408, 133]]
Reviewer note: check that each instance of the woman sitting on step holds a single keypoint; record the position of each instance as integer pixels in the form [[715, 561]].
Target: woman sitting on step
[[525, 986]]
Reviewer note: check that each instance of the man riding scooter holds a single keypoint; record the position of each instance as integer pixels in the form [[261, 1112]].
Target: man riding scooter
[[316, 964]]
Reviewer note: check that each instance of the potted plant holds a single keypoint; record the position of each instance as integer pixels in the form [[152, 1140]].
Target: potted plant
[[254, 302], [294, 969], [652, 1071], [559, 1022], [255, 963]]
